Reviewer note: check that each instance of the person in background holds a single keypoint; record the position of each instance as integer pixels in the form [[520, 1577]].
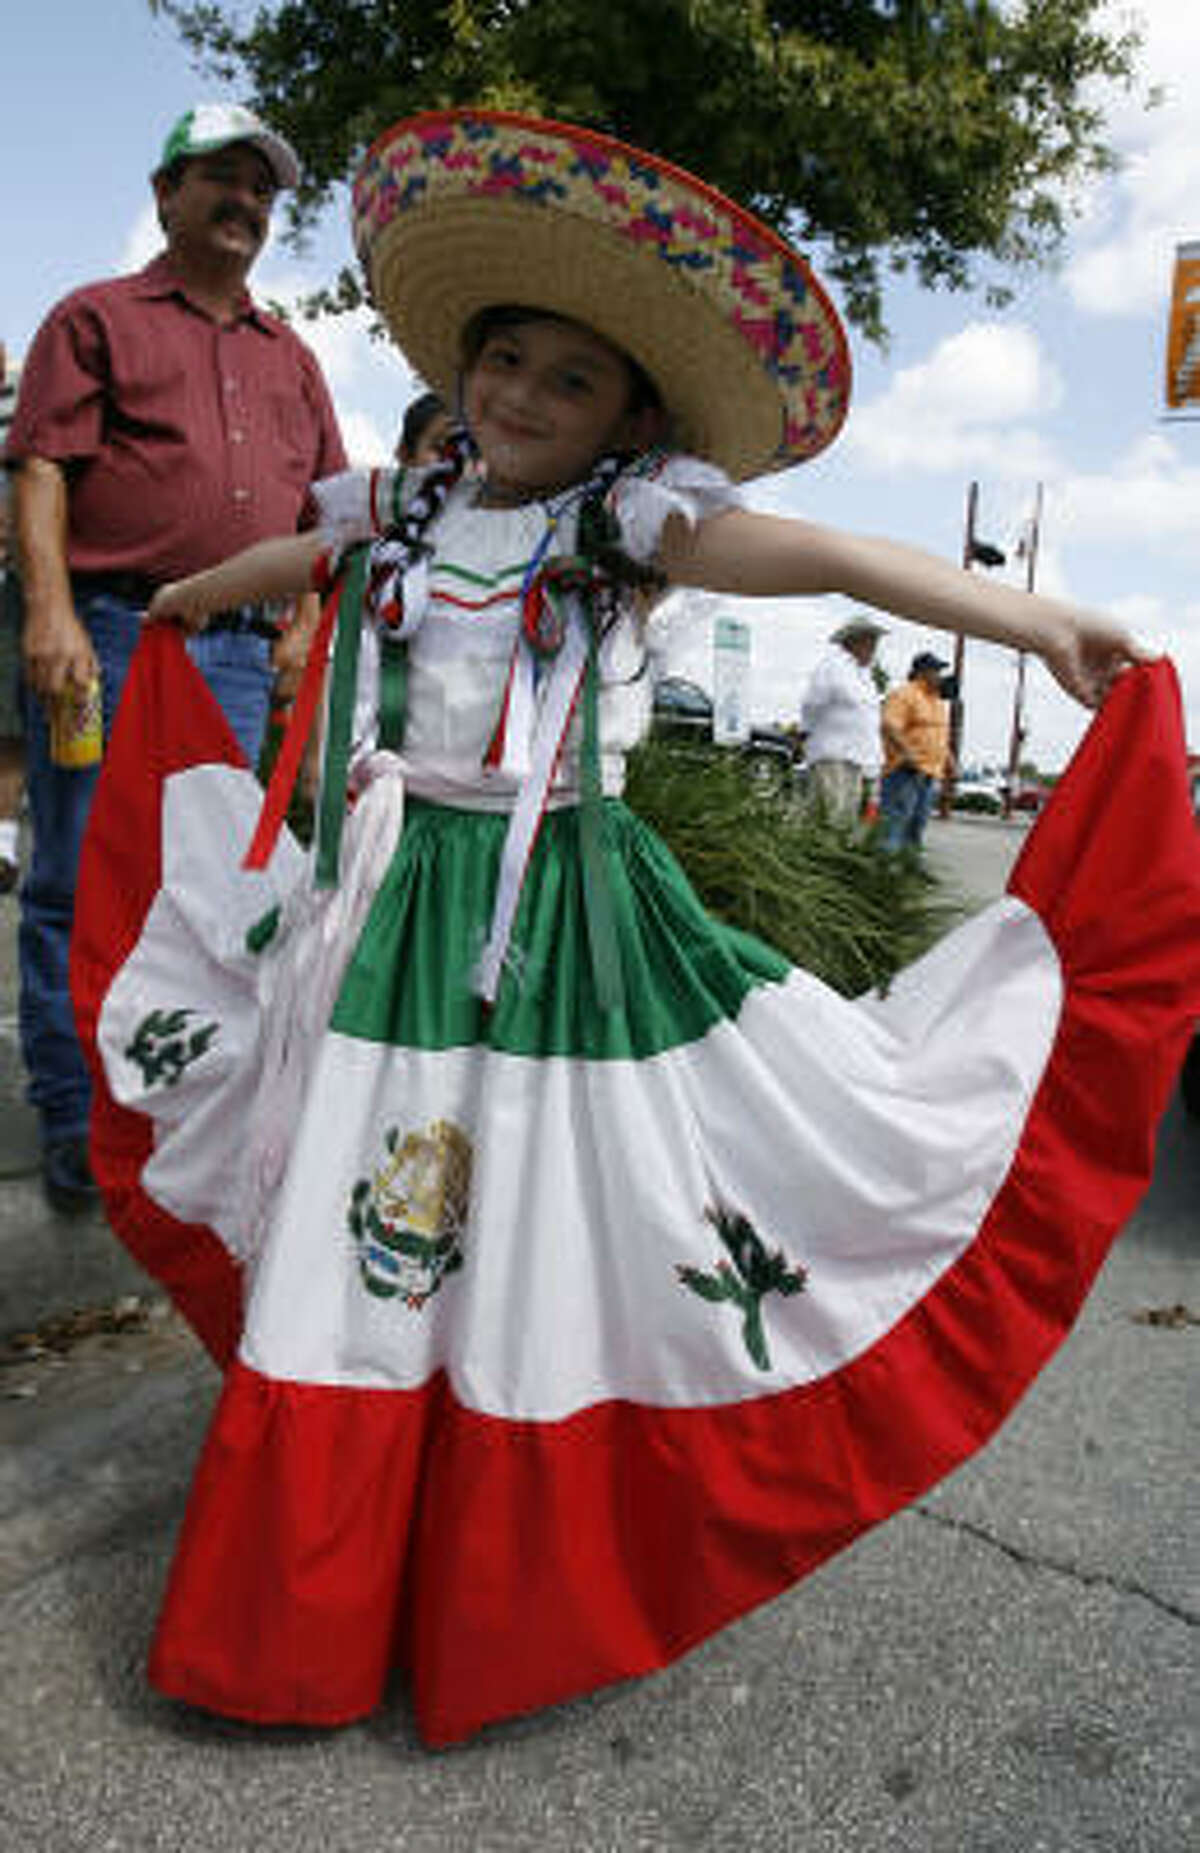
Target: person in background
[[12, 750], [426, 426], [162, 419], [839, 718], [916, 751]]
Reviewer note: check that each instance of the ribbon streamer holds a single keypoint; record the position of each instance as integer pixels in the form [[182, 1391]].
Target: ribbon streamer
[[286, 770], [331, 803]]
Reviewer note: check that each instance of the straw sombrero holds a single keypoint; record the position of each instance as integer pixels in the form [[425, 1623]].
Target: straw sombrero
[[458, 210]]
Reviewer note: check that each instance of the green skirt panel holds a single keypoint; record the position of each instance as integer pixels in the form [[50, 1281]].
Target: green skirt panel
[[410, 980]]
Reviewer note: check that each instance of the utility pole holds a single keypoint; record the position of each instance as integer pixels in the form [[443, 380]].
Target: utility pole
[[976, 552], [1029, 547]]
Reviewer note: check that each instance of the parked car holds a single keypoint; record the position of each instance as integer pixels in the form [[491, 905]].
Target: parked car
[[1030, 798], [978, 792], [684, 709]]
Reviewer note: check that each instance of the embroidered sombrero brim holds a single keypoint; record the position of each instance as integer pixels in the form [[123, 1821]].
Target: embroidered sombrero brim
[[460, 209]]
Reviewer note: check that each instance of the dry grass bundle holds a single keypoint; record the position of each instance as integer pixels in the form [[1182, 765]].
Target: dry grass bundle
[[830, 899]]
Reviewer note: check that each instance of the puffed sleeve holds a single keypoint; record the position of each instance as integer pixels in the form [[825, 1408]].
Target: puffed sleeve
[[642, 499], [357, 505]]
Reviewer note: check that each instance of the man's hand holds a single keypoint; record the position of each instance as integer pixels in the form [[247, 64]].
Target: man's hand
[[290, 653], [56, 648], [288, 659]]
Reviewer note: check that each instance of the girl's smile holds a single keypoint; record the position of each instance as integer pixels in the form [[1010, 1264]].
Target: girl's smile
[[545, 400]]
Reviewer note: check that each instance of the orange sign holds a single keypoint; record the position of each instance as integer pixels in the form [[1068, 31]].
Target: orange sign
[[1183, 334]]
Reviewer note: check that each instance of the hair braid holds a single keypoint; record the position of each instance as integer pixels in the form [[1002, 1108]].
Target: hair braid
[[599, 535], [436, 482], [405, 542]]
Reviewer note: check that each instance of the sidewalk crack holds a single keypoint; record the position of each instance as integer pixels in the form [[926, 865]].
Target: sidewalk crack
[[1058, 1566]]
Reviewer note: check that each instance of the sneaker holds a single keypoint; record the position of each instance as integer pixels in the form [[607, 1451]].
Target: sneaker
[[67, 1177]]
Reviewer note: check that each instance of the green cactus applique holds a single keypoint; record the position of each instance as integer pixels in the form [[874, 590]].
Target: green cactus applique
[[749, 1273], [163, 1049]]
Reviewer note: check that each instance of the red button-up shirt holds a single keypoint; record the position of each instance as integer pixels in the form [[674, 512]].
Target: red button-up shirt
[[182, 439]]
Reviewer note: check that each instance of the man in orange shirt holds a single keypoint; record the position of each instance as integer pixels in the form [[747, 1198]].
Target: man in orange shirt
[[916, 752]]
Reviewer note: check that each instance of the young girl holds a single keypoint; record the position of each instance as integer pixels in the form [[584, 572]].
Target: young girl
[[584, 1274]]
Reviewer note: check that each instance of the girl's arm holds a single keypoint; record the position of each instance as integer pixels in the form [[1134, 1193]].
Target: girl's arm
[[271, 569], [772, 556]]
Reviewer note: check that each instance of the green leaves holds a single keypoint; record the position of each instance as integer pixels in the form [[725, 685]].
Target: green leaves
[[902, 134]]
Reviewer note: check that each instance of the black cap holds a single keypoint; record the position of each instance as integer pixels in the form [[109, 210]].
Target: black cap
[[925, 663]]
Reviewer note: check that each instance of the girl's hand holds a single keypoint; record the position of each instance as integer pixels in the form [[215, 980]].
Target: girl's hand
[[1088, 652], [179, 602]]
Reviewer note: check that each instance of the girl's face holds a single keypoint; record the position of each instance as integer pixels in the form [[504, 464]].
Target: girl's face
[[545, 399]]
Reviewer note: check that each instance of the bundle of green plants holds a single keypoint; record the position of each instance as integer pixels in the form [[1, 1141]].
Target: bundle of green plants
[[830, 898]]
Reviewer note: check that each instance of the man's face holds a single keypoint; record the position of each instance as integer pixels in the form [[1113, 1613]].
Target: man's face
[[862, 646], [220, 207]]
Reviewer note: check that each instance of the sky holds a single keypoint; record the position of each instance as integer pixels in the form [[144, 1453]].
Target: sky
[[1064, 388]]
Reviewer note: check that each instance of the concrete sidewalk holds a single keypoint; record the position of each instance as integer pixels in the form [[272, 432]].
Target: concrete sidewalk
[[49, 1264]]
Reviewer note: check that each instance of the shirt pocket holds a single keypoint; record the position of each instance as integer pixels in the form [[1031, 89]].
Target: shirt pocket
[[293, 433]]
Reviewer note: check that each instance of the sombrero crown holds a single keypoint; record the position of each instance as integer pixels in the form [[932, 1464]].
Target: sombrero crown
[[459, 210]]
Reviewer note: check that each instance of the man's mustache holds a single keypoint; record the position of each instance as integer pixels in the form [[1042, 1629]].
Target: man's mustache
[[227, 211]]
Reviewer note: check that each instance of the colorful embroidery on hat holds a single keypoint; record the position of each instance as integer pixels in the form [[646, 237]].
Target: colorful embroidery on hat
[[768, 295]]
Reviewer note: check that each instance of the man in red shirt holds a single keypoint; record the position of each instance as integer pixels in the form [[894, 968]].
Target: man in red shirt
[[163, 422]]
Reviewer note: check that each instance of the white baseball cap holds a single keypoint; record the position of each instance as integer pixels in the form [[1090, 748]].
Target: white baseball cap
[[210, 126]]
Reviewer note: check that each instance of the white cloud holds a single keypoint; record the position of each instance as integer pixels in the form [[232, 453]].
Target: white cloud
[[368, 378], [1149, 497], [143, 240], [1123, 257], [947, 413], [366, 444]]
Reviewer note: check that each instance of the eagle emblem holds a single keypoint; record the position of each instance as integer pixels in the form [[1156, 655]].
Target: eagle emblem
[[408, 1219]]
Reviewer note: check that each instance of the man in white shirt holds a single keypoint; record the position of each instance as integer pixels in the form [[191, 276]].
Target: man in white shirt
[[839, 718]]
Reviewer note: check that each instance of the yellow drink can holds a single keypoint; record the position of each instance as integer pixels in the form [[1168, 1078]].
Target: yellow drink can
[[77, 726]]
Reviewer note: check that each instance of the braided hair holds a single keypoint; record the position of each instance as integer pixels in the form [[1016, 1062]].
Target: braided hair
[[599, 533], [405, 541]]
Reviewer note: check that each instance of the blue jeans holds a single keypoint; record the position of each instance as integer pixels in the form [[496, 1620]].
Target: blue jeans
[[905, 801], [236, 665]]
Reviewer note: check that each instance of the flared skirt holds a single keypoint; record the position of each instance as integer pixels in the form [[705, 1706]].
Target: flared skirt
[[557, 1336]]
